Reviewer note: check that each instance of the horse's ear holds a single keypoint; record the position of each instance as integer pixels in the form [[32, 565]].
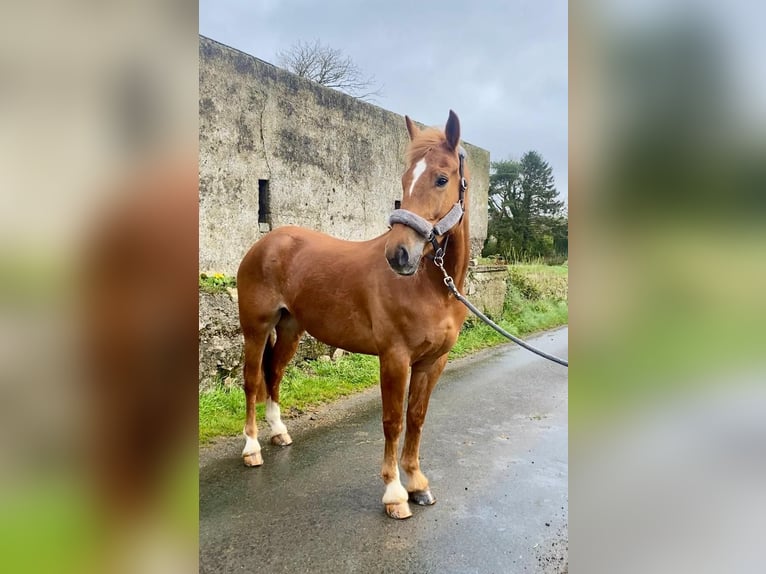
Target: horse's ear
[[412, 129], [452, 131]]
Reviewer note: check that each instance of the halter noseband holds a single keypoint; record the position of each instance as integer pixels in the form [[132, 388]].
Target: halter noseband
[[424, 228]]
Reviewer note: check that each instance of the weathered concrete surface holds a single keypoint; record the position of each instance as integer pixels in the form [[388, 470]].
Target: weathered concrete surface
[[494, 448], [485, 287], [220, 341], [333, 162]]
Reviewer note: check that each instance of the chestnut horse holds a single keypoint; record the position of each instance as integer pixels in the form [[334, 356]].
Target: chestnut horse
[[381, 297]]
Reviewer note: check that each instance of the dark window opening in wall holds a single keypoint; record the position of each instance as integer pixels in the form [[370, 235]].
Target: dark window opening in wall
[[264, 202], [397, 204]]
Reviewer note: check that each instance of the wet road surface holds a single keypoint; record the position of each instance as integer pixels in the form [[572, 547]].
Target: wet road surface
[[494, 448]]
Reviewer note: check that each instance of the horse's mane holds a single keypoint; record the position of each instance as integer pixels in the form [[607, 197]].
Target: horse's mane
[[425, 140]]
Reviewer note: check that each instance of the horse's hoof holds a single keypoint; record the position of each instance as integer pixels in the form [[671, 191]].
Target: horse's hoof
[[281, 439], [422, 497], [399, 510], [253, 459]]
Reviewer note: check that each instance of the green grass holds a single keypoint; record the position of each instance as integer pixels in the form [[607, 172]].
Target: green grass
[[216, 283], [556, 270], [222, 411], [536, 299], [542, 315]]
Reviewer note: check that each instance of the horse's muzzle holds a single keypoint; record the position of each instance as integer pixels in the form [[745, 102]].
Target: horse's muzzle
[[403, 261], [404, 249]]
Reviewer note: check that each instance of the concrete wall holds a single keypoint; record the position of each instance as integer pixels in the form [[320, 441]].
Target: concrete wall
[[333, 163], [485, 287]]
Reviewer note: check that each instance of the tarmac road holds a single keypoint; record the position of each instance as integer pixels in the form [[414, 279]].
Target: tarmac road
[[494, 448]]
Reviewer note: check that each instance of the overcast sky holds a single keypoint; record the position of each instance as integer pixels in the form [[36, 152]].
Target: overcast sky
[[500, 64]]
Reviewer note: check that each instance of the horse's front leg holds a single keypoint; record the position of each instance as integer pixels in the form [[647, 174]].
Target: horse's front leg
[[393, 380], [422, 382]]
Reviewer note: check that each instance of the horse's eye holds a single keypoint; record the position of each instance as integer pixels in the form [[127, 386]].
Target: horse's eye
[[441, 181]]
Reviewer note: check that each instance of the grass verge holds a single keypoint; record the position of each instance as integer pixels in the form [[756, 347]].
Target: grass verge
[[216, 283], [222, 410], [536, 299]]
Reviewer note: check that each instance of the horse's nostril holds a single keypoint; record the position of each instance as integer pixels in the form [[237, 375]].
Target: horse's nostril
[[402, 257]]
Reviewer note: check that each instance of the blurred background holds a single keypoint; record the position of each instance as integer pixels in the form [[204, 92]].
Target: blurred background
[[98, 261], [667, 283]]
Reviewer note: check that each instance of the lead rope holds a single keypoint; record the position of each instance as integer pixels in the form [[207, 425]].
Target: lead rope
[[450, 283]]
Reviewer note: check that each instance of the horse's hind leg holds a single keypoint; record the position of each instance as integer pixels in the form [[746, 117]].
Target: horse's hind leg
[[288, 335], [422, 382], [257, 346]]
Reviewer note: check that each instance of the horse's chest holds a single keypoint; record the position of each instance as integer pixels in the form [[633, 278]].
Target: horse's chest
[[433, 337]]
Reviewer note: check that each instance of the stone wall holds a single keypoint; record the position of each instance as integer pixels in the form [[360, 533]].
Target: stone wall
[[220, 341], [221, 346], [331, 162], [485, 287]]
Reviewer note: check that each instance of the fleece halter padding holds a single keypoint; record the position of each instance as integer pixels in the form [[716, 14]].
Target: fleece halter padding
[[423, 226]]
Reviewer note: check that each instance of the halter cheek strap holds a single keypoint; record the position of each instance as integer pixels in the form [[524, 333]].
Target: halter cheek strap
[[423, 227]]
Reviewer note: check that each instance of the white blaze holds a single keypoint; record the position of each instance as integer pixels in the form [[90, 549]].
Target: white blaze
[[420, 167]]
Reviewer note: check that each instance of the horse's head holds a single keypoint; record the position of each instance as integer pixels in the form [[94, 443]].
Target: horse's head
[[431, 190]]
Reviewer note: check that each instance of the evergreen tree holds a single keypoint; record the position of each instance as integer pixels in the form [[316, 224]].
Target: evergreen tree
[[504, 206], [525, 217]]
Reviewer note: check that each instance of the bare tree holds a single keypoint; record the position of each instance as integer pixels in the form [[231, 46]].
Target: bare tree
[[329, 67]]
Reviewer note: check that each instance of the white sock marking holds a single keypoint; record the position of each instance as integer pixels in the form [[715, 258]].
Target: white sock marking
[[252, 445], [420, 167], [395, 492], [273, 417]]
